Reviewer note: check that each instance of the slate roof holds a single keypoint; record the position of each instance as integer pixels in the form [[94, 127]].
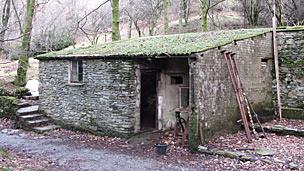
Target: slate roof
[[164, 45]]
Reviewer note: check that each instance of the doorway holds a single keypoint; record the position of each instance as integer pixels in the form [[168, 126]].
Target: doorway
[[148, 96]]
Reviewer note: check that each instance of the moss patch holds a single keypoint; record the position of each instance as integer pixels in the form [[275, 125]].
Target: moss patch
[[194, 137], [4, 153], [179, 44], [20, 92], [8, 106], [4, 169], [288, 29], [293, 113]]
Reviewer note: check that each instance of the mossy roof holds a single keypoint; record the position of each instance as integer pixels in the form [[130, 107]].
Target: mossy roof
[[290, 28], [165, 45]]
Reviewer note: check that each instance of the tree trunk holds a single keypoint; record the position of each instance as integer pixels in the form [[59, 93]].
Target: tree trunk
[[17, 17], [129, 27], [185, 12], [204, 15], [115, 20], [180, 20], [166, 20], [137, 28], [25, 44], [4, 19]]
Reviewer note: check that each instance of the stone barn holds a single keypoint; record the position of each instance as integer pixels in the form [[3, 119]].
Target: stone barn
[[133, 85]]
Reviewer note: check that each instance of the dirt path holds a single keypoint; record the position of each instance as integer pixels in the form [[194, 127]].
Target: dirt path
[[71, 158]]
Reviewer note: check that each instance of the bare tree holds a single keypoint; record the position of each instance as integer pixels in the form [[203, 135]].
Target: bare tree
[[165, 14], [115, 20], [206, 6], [4, 21], [25, 45], [288, 12], [144, 14], [252, 10]]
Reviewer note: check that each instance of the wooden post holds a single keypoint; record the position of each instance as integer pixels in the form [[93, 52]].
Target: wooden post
[[276, 60]]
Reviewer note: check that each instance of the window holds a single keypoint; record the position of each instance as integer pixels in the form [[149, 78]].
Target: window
[[264, 61], [76, 72], [184, 97], [177, 80]]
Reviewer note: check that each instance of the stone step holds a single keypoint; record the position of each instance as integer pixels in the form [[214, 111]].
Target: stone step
[[42, 129], [31, 97], [28, 110], [23, 104], [32, 116], [38, 121]]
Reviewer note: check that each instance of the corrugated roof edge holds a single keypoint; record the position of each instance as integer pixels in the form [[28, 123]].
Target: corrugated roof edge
[[53, 56]]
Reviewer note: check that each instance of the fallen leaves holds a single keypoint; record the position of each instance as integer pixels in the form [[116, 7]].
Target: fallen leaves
[[288, 149]]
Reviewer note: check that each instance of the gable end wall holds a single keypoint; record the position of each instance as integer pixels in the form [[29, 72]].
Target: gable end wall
[[215, 102]]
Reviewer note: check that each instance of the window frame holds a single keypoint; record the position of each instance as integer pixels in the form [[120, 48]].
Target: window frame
[[79, 72]]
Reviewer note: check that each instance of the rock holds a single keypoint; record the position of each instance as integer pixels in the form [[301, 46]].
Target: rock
[[204, 149], [10, 131], [264, 151], [293, 166], [267, 161], [276, 160], [249, 158], [229, 154]]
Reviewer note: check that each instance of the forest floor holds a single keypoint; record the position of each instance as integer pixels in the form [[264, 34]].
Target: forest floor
[[71, 150]]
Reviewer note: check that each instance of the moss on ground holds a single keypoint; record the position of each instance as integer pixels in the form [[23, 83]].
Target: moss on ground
[[4, 169], [8, 106], [179, 44], [4, 153]]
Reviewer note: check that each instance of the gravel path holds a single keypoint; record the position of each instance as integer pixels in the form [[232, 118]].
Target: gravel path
[[81, 158]]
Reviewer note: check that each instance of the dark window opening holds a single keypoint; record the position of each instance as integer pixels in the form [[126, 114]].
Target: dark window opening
[[264, 60], [76, 73], [177, 80]]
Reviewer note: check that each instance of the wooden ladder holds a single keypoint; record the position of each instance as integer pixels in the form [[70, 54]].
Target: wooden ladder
[[238, 90]]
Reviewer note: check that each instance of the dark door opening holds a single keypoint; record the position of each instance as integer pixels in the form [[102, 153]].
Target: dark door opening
[[148, 99]]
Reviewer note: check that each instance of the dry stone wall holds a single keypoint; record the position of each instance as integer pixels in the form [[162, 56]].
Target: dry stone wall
[[291, 55], [105, 103]]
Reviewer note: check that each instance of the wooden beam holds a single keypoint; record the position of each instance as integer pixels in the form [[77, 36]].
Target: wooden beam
[[276, 61]]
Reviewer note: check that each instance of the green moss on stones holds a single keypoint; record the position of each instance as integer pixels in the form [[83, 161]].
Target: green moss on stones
[[288, 29], [4, 153], [180, 44], [20, 92], [8, 106], [293, 113], [194, 139], [4, 92]]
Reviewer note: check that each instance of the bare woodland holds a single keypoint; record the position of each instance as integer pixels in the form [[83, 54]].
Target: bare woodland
[[31, 27]]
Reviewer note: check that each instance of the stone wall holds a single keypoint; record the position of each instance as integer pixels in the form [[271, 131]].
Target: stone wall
[[215, 102], [291, 55], [105, 103]]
